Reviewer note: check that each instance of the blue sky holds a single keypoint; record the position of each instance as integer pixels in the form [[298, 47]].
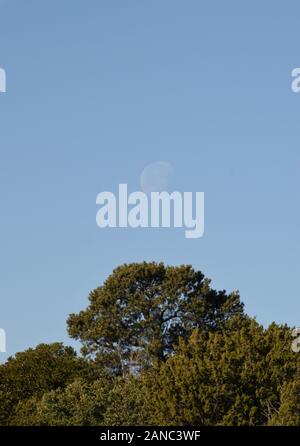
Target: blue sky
[[96, 91]]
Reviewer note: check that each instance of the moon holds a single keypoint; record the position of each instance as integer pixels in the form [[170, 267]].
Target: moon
[[157, 177]]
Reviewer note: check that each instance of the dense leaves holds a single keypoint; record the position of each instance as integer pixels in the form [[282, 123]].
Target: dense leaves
[[160, 347], [224, 378], [36, 371], [142, 309], [288, 413]]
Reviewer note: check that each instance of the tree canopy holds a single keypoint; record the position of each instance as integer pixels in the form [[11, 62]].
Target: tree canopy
[[142, 310], [36, 371], [160, 347]]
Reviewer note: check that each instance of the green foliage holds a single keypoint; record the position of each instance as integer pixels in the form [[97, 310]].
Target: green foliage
[[161, 347], [34, 372], [80, 403], [127, 404], [103, 402], [232, 377], [142, 309], [288, 413]]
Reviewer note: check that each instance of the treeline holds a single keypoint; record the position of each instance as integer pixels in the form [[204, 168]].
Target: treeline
[[159, 347]]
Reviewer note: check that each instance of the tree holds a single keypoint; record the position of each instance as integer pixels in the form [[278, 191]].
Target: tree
[[162, 348], [127, 405], [141, 310], [106, 401], [229, 377], [288, 413], [34, 372], [81, 403]]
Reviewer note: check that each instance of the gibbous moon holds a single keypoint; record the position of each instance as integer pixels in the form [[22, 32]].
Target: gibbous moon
[[157, 177]]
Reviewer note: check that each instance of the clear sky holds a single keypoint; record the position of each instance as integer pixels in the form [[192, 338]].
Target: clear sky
[[96, 91]]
